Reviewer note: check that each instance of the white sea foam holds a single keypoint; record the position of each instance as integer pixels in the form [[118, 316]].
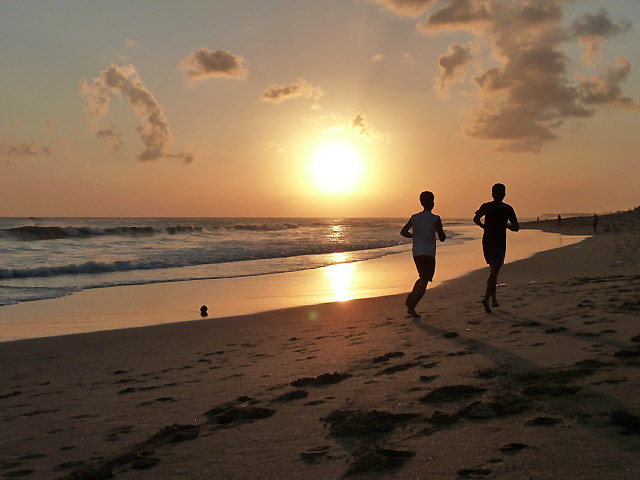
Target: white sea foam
[[47, 258]]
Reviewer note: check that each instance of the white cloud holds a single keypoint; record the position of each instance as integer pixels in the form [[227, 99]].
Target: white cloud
[[154, 130]]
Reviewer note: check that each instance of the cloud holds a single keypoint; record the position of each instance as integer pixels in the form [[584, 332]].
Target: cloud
[[207, 63], [20, 149], [360, 127], [113, 137], [453, 65], [604, 89], [526, 93], [130, 43], [408, 58], [409, 8], [13, 148], [378, 57], [592, 30], [276, 93], [154, 130], [598, 24]]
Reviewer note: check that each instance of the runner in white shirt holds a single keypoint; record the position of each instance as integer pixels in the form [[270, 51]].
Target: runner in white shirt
[[423, 226]]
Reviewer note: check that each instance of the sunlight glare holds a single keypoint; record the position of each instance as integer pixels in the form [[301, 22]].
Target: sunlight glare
[[336, 168], [340, 277]]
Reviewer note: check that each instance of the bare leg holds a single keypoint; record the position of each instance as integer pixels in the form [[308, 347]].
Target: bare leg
[[492, 281], [415, 296]]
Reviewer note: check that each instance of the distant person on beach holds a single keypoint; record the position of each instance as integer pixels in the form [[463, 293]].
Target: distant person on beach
[[559, 219], [595, 222], [498, 216], [422, 228]]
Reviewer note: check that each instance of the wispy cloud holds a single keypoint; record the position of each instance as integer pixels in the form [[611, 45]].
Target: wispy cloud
[[206, 63], [21, 149], [29, 148], [409, 8], [528, 96], [154, 131], [276, 93], [359, 126], [378, 57]]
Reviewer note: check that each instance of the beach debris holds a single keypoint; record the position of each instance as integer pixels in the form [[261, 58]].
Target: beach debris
[[292, 395], [628, 353], [352, 423], [474, 472], [513, 447], [543, 421], [229, 414], [173, 434], [314, 454], [203, 311], [387, 356], [551, 391], [508, 403], [324, 379], [397, 368], [12, 394], [371, 460], [629, 422], [451, 393]]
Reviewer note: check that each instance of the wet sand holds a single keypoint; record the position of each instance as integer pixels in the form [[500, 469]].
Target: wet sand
[[547, 387], [144, 305]]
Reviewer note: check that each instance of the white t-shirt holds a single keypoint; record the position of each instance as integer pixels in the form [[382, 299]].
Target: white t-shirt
[[424, 233]]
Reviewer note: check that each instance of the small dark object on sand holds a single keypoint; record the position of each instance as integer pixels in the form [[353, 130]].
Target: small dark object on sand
[[203, 311]]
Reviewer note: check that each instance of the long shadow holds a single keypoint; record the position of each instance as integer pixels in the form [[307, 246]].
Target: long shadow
[[590, 399]]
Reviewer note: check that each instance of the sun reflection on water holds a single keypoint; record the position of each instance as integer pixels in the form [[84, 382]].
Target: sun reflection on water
[[340, 277]]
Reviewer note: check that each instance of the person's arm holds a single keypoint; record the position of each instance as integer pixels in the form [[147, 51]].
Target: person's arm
[[405, 230], [513, 222], [477, 217], [440, 230]]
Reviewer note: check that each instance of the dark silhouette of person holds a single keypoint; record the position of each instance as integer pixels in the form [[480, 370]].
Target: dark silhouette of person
[[498, 216], [203, 311], [559, 219], [422, 228], [595, 222]]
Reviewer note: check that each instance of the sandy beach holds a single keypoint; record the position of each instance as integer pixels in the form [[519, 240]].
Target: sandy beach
[[546, 387]]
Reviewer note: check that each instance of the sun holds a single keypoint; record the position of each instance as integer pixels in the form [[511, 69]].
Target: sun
[[336, 168]]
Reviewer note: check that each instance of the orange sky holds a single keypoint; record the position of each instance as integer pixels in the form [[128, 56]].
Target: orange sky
[[225, 108]]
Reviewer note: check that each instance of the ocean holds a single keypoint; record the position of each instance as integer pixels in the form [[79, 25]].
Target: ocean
[[43, 258]]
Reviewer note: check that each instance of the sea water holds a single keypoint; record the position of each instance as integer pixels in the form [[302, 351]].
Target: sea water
[[42, 258]]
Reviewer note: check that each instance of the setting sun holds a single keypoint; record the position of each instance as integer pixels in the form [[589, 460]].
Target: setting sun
[[336, 168]]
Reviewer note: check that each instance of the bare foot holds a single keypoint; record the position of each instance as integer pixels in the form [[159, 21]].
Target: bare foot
[[487, 308], [494, 303], [413, 313]]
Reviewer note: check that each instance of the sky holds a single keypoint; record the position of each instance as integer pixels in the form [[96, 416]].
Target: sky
[[317, 108]]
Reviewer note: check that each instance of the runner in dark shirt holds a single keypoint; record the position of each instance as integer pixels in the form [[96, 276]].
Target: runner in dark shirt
[[498, 216]]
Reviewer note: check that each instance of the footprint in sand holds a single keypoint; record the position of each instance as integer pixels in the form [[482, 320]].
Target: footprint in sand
[[314, 455]]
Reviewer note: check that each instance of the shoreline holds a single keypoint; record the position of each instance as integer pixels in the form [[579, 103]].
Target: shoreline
[[135, 306], [546, 387]]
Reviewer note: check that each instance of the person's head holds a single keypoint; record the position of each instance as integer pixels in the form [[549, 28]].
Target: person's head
[[498, 191], [426, 200]]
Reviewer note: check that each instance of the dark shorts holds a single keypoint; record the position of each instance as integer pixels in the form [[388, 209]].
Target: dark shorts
[[426, 266], [494, 254]]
